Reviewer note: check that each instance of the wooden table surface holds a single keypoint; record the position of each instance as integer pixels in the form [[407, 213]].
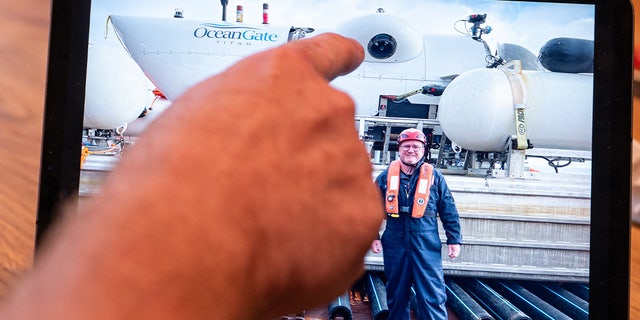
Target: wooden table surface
[[24, 27]]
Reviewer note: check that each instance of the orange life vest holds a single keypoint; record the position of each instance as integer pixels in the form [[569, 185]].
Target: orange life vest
[[420, 197]]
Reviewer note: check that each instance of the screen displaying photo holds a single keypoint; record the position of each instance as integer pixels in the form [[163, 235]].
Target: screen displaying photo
[[502, 90]]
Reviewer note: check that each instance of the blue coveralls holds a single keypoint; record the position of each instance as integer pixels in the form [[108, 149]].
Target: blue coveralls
[[412, 248]]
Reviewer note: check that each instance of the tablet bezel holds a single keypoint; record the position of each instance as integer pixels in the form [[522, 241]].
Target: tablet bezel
[[63, 112], [611, 175]]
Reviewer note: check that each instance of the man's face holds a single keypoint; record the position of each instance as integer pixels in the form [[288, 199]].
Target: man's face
[[411, 152]]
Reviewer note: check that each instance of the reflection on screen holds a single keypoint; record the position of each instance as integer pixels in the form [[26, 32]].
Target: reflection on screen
[[503, 91]]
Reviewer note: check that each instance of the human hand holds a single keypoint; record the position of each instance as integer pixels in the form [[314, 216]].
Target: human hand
[[454, 250], [376, 246], [260, 173]]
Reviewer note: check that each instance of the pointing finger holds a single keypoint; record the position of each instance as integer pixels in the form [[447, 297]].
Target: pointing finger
[[330, 54]]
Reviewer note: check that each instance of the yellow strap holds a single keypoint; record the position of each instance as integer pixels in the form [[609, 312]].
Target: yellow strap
[[518, 104], [521, 129]]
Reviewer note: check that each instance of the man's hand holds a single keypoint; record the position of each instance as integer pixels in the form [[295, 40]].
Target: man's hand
[[253, 187], [376, 246], [262, 168], [454, 250]]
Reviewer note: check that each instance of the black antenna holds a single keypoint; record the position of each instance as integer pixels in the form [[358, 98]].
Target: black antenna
[[224, 9]]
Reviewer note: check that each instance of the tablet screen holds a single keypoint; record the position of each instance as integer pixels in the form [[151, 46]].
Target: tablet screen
[[515, 98]]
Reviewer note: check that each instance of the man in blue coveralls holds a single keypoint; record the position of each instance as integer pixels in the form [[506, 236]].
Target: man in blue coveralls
[[414, 194]]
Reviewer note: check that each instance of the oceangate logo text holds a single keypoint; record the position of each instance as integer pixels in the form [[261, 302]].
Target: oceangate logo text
[[233, 32]]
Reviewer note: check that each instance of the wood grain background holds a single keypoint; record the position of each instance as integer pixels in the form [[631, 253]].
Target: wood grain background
[[24, 32], [24, 27]]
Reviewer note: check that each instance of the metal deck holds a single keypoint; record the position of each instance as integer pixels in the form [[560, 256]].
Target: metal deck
[[532, 229], [526, 246], [469, 298], [529, 229]]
